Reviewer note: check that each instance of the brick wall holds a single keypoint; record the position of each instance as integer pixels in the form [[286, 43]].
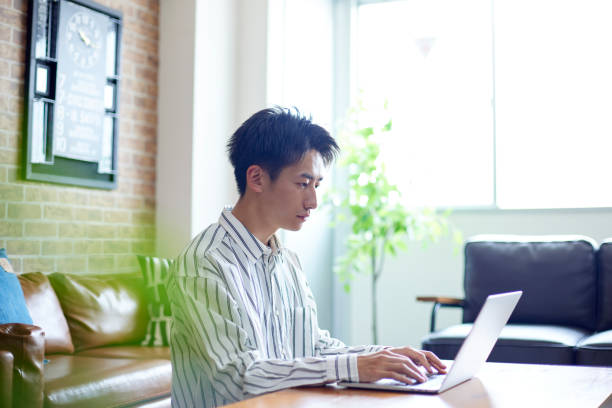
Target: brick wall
[[47, 227]]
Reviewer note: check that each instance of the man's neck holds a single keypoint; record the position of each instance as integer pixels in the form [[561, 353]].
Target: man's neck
[[250, 215]]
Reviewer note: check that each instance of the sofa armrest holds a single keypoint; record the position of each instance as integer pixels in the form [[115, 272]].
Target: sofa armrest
[[26, 343], [447, 301], [6, 378], [439, 301]]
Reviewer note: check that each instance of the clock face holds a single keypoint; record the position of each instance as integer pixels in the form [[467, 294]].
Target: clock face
[[84, 39]]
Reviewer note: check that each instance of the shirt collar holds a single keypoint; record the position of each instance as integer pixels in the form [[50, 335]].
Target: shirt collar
[[250, 245], [275, 245]]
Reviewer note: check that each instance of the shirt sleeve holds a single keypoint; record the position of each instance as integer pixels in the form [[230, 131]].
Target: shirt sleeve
[[210, 326], [329, 346]]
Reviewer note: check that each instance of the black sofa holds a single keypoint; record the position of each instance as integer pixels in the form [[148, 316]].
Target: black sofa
[[565, 314]]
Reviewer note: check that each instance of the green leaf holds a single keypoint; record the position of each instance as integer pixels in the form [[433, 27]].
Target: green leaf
[[401, 245], [388, 126], [366, 132]]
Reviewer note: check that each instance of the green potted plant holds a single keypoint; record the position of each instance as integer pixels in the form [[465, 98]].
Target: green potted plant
[[380, 224]]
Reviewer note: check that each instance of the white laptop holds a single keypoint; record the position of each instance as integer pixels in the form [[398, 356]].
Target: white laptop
[[471, 356]]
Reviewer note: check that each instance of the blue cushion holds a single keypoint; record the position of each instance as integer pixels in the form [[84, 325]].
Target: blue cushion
[[13, 307]]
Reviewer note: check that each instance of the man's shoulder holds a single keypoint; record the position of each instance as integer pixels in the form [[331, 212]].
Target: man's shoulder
[[293, 258], [205, 244]]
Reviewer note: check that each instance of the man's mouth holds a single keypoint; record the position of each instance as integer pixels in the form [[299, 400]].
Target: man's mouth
[[303, 217]]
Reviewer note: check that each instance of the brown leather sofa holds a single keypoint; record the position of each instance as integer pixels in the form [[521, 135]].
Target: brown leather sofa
[[83, 349]]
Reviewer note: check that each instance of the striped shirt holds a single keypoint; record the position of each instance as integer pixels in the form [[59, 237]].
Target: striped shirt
[[245, 321]]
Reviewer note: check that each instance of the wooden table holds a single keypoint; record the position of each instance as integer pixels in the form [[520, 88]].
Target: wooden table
[[496, 385]]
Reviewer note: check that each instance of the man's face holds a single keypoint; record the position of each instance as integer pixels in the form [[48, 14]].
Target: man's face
[[292, 195]]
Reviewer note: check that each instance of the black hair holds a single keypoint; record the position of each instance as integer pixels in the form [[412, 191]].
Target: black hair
[[275, 138]]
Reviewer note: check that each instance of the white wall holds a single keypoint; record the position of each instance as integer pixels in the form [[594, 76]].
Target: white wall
[[215, 86], [251, 58], [212, 72], [175, 124], [437, 271]]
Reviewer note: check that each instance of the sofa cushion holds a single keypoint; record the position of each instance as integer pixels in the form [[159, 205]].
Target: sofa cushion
[[13, 307], [604, 270], [75, 381], [595, 350], [128, 352], [46, 312], [517, 343], [102, 309], [557, 275], [155, 272]]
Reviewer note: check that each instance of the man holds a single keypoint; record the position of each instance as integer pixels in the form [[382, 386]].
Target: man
[[245, 320]]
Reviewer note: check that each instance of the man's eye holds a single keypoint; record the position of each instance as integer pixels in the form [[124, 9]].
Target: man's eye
[[303, 185]]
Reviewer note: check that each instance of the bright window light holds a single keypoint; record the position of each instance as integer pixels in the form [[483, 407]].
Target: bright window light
[[432, 60], [494, 103], [554, 103]]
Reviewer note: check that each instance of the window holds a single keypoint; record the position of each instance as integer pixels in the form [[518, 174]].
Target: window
[[494, 103]]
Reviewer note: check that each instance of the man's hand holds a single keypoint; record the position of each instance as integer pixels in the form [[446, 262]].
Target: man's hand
[[400, 363]]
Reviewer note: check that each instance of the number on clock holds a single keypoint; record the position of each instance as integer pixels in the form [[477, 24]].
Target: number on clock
[[84, 39]]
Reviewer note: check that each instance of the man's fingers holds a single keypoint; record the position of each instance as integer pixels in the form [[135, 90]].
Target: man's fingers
[[403, 365], [419, 358], [440, 366], [412, 372], [424, 361], [416, 374], [405, 360], [402, 378]]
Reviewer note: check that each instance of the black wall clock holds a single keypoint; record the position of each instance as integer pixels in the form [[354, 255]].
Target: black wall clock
[[72, 93]]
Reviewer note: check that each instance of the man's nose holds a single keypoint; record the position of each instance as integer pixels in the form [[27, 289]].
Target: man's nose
[[311, 199]]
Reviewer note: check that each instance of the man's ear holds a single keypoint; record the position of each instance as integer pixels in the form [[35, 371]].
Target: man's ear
[[255, 178]]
